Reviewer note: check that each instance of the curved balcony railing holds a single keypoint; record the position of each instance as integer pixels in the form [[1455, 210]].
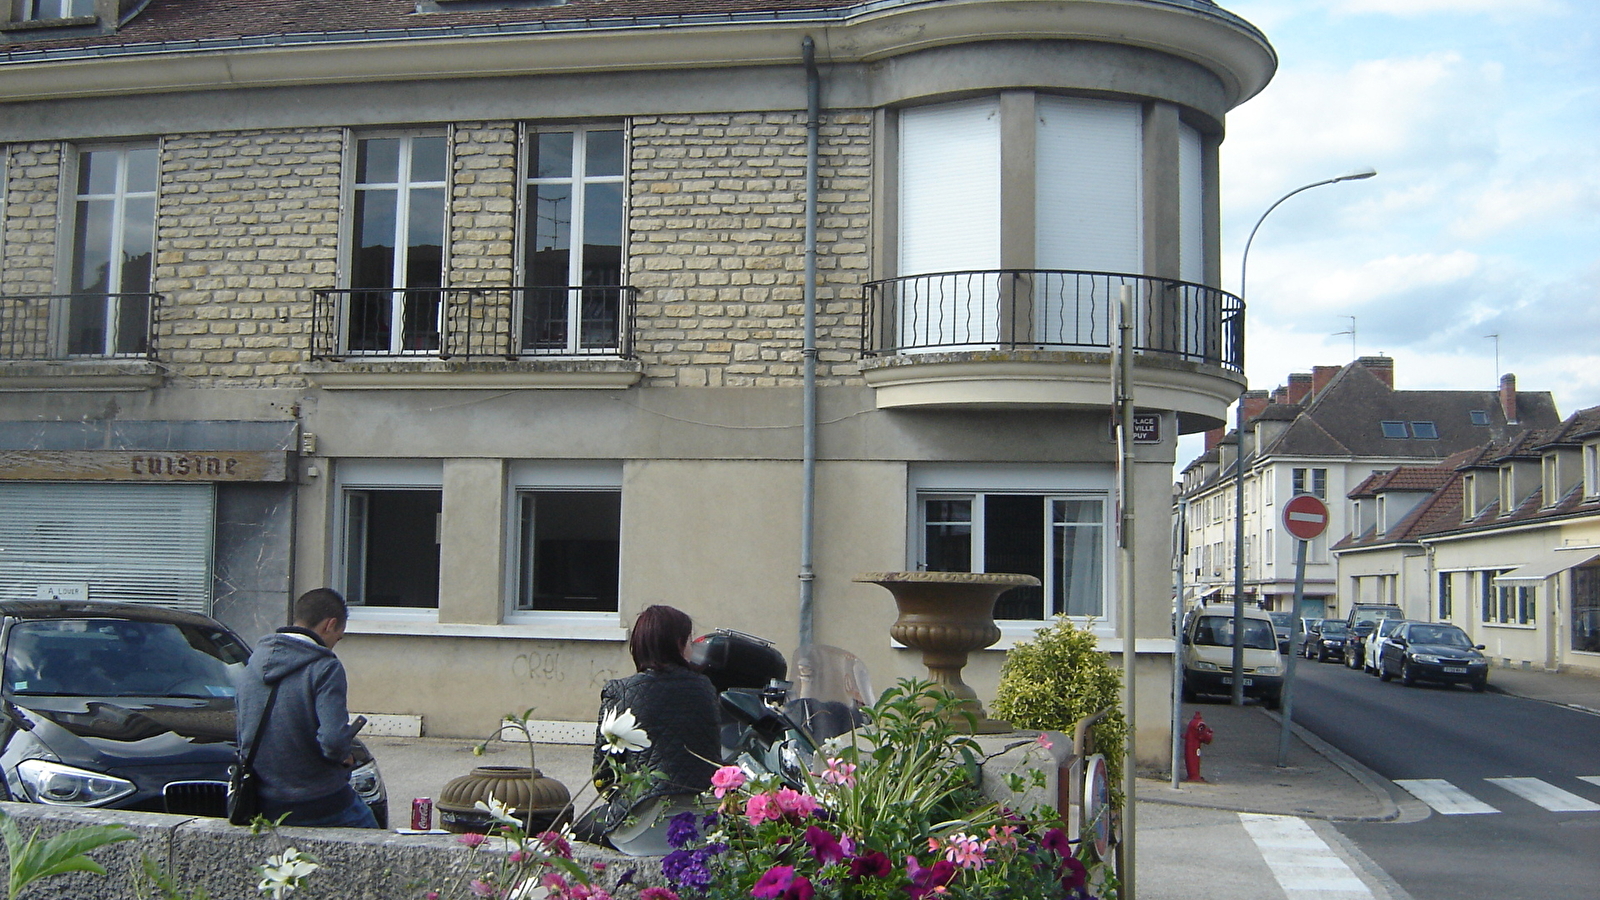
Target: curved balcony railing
[[467, 323], [1042, 309], [48, 327]]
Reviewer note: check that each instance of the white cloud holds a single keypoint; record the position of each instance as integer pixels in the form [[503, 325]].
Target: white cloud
[[1414, 8], [1507, 205]]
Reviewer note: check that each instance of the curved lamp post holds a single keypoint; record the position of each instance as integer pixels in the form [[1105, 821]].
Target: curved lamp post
[[1238, 483]]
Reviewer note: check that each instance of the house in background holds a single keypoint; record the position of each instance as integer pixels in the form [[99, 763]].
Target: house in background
[[503, 317], [1325, 433], [1506, 545]]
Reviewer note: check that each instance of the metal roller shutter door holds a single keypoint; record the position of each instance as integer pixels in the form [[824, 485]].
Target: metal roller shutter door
[[131, 543]]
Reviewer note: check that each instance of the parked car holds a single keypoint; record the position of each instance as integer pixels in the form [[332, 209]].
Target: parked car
[[1427, 651], [1372, 647], [127, 707], [1208, 655], [1282, 625], [1328, 643], [1361, 621]]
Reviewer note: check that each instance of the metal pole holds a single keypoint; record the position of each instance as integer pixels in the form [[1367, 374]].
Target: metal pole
[[1294, 634], [808, 353], [1123, 381], [1180, 537]]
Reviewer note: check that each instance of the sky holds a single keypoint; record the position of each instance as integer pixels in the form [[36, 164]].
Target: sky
[[1482, 118]]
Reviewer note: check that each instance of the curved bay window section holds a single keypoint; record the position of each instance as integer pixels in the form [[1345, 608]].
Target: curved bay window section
[[1021, 221]]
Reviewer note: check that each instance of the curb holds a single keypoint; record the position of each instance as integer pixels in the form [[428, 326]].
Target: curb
[[1381, 788], [1497, 689]]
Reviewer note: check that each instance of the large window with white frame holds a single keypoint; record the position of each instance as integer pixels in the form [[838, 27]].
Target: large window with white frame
[[44, 10], [113, 245], [396, 267], [1018, 520], [1591, 470], [574, 199], [388, 549], [567, 556]]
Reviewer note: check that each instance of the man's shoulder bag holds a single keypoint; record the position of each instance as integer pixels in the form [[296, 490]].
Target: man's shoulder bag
[[244, 785]]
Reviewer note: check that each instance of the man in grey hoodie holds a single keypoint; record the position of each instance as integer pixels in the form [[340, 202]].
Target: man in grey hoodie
[[305, 756]]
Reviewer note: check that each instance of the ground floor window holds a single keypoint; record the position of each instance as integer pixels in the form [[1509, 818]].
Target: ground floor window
[[1586, 609], [391, 512], [1446, 600], [1059, 539], [569, 546]]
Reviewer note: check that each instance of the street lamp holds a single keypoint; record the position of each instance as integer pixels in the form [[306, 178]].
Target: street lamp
[[1238, 475]]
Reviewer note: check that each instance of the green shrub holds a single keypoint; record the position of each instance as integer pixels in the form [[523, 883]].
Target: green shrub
[[1058, 679]]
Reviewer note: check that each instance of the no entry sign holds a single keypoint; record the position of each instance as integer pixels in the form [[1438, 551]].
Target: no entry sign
[[1305, 516]]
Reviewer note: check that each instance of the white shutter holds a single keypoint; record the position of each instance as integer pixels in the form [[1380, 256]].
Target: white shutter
[[949, 222], [1088, 186], [1191, 207], [130, 543]]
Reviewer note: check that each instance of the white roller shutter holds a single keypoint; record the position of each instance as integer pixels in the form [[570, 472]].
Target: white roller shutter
[[1191, 207], [129, 543], [949, 222], [1088, 186]]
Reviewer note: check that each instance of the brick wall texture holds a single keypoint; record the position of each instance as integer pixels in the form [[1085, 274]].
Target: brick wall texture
[[249, 225]]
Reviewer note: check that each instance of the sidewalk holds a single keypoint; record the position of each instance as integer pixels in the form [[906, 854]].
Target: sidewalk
[[1566, 689]]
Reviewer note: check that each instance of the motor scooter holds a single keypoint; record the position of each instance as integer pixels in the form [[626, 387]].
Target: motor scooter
[[769, 724]]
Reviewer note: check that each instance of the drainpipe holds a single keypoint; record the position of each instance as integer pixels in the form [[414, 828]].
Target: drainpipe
[[808, 352]]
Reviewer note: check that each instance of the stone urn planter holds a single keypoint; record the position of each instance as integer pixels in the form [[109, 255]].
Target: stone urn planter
[[947, 615], [524, 789]]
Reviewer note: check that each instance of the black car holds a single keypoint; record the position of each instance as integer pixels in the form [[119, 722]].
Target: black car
[[1329, 641], [1423, 651], [126, 707]]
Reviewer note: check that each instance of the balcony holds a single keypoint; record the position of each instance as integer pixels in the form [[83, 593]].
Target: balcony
[[83, 341], [562, 336], [1030, 337]]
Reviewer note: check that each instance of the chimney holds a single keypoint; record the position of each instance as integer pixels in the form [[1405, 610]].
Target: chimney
[[1299, 387], [1508, 397], [1214, 437], [1320, 376], [1280, 395], [1381, 366], [1255, 403]]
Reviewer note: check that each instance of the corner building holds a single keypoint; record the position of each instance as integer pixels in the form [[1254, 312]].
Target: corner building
[[493, 315]]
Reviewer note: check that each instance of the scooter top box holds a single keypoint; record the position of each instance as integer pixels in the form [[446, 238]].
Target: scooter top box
[[733, 659]]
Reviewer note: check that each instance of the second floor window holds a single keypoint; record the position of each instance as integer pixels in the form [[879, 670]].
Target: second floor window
[[397, 267], [1310, 481], [573, 237], [42, 10], [114, 221]]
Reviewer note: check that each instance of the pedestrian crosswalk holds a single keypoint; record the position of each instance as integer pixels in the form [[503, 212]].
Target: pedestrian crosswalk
[[1449, 799], [1303, 863]]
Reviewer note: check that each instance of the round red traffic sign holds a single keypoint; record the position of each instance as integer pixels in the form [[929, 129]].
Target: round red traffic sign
[[1305, 516]]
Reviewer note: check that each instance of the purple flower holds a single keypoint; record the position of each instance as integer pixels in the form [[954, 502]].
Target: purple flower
[[681, 830], [688, 869], [930, 880], [781, 883], [1074, 875], [873, 865], [1056, 839], [824, 846]]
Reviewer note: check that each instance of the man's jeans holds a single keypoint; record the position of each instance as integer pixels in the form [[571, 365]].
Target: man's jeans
[[343, 810]]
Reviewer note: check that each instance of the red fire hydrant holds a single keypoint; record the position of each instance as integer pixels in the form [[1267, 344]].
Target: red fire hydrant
[[1196, 734]]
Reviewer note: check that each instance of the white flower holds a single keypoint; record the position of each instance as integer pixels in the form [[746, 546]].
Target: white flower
[[497, 811], [284, 872], [529, 889], [622, 733]]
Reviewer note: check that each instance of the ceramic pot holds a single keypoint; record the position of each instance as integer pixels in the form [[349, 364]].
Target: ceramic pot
[[947, 615], [526, 791]]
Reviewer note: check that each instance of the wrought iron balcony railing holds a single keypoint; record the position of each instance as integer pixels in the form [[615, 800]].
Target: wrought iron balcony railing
[[54, 327], [1022, 309], [467, 323]]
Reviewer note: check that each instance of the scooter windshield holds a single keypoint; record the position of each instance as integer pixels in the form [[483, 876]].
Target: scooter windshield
[[831, 687]]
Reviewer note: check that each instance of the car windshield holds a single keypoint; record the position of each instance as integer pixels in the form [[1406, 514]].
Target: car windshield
[[1217, 631], [121, 658], [1334, 629], [1279, 619], [1440, 636]]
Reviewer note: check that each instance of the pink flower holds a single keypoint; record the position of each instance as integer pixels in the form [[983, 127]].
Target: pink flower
[[1045, 742], [472, 840], [481, 888], [964, 850], [657, 893], [431, 895], [781, 883], [1003, 835], [554, 844], [840, 772], [794, 804], [726, 779], [761, 808]]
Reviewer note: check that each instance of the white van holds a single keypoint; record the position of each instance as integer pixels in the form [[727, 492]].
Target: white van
[[1208, 655]]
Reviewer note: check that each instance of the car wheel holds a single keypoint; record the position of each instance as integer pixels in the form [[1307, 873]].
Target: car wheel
[[1383, 674], [1481, 685], [1188, 694], [1406, 676], [1322, 655], [1272, 701]]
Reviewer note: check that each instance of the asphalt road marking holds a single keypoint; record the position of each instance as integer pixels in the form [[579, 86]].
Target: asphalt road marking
[[1546, 795], [1303, 863], [1445, 798], [1592, 779]]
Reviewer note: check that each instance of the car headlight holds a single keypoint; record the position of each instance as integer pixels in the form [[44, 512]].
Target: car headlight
[[1266, 670], [1477, 662], [1204, 666], [366, 781], [1428, 658], [63, 785]]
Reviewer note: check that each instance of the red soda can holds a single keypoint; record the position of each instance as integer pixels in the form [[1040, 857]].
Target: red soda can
[[422, 814]]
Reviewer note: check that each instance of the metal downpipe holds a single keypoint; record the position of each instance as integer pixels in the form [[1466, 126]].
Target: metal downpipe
[[808, 463]]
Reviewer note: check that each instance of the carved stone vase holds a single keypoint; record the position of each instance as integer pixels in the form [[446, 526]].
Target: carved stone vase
[[524, 789], [947, 615]]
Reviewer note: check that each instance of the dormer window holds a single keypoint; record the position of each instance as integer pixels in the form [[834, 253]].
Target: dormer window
[[1469, 494], [1508, 500], [48, 10], [1479, 416], [1591, 470], [1394, 429], [1424, 431], [1551, 481]]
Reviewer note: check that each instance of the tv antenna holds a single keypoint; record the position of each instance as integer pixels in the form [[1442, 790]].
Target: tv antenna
[[1351, 332], [1496, 338]]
